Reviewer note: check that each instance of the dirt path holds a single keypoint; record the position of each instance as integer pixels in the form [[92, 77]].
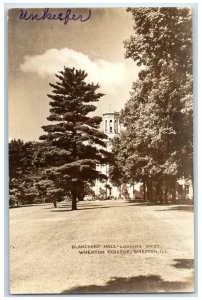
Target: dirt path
[[46, 245]]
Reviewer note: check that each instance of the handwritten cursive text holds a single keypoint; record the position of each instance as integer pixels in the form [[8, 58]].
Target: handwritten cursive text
[[46, 15]]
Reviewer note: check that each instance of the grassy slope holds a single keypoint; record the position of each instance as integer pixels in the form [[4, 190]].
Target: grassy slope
[[42, 259]]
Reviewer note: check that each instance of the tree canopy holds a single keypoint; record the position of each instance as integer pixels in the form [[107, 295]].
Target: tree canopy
[[157, 144], [75, 143]]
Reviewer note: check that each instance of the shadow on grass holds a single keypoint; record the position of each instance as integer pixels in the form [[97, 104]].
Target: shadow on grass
[[184, 263], [138, 284], [170, 208], [136, 203], [28, 205], [83, 208], [179, 207]]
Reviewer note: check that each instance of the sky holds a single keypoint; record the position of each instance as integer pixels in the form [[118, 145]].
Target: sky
[[39, 49]]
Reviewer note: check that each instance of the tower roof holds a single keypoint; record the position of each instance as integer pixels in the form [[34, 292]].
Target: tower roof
[[111, 113]]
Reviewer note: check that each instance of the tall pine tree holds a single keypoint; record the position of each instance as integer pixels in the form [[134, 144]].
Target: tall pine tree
[[75, 142]]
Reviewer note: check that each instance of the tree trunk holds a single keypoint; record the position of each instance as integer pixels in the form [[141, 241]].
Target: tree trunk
[[74, 203], [148, 189], [160, 190], [151, 190], [133, 191], [166, 194], [55, 203], [106, 189], [144, 191], [174, 190]]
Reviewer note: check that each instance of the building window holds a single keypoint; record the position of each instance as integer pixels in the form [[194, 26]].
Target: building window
[[110, 129], [110, 121], [186, 189], [105, 125]]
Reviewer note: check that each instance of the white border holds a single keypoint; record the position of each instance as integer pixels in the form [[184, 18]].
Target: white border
[[3, 125]]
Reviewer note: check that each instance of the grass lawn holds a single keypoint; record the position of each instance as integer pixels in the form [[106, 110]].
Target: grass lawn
[[129, 248]]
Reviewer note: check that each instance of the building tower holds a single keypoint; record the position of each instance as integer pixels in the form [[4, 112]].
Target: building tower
[[111, 124], [111, 127]]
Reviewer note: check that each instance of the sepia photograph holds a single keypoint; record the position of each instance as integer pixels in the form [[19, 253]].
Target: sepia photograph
[[100, 117]]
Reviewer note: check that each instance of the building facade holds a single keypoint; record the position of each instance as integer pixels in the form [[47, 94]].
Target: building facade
[[111, 126]]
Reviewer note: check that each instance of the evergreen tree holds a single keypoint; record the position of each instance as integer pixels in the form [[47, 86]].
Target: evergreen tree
[[75, 143]]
